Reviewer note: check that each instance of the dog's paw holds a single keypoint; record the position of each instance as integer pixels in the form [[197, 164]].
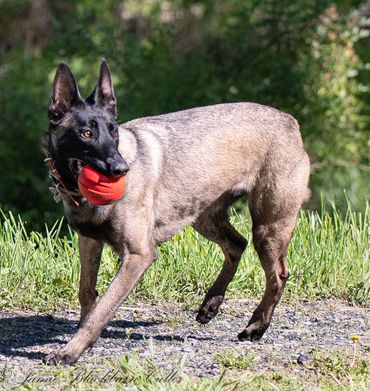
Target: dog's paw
[[209, 309], [60, 357], [253, 332]]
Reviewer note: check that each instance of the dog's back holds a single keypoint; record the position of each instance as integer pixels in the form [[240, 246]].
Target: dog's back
[[195, 156]]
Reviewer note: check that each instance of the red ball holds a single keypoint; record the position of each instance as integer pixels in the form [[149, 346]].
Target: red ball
[[99, 189]]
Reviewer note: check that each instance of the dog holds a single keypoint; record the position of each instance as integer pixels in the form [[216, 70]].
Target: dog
[[182, 169]]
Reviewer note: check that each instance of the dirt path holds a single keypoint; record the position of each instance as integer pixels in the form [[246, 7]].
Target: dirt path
[[167, 334]]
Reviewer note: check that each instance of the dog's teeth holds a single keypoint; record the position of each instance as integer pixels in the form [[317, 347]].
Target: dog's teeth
[[79, 166]]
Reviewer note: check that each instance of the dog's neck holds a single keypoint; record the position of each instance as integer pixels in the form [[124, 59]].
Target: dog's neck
[[59, 190], [128, 147]]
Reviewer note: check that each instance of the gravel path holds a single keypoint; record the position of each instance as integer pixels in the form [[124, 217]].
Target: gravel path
[[165, 333]]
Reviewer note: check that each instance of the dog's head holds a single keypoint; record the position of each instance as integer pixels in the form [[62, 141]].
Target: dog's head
[[83, 131]]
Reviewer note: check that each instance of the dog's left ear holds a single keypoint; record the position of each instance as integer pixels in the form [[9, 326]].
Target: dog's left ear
[[103, 94]]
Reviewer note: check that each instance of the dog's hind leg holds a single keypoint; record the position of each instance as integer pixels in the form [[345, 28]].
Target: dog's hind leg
[[217, 228], [274, 207], [90, 255], [271, 242]]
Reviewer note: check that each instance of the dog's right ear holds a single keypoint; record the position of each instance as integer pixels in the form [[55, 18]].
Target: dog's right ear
[[64, 93]]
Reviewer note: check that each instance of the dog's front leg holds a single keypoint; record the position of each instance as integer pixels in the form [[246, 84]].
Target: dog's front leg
[[130, 271], [90, 255]]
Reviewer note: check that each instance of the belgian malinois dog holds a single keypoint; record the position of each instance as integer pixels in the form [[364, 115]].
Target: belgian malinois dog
[[184, 168]]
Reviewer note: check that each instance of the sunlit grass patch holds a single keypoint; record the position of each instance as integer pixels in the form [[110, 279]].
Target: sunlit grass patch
[[230, 358], [328, 257]]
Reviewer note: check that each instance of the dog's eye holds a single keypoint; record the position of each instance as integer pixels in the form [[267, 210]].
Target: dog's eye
[[86, 133]]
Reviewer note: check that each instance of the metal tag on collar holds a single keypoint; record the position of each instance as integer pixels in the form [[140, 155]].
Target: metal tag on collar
[[56, 194]]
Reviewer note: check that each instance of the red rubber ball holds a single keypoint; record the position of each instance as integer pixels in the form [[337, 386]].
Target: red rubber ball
[[99, 189]]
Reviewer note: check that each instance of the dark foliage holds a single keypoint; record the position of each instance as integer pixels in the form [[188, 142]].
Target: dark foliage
[[306, 57]]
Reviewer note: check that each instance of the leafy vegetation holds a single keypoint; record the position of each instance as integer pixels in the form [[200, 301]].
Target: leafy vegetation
[[307, 58], [328, 257]]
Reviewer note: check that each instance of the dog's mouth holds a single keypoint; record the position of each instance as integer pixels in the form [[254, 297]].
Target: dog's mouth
[[76, 166]]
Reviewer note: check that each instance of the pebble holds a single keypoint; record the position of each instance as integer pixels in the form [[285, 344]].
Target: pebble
[[304, 358]]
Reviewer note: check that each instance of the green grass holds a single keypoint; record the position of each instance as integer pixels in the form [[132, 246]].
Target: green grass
[[230, 358], [325, 372], [328, 257]]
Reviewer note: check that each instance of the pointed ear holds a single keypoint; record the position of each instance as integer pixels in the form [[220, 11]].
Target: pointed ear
[[103, 94], [64, 93]]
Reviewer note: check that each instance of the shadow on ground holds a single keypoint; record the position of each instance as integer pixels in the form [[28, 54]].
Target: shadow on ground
[[17, 333]]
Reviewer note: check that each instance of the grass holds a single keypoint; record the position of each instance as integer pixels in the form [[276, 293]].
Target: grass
[[328, 257], [325, 372], [232, 359]]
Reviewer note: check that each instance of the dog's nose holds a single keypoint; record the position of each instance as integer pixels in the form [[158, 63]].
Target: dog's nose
[[117, 167]]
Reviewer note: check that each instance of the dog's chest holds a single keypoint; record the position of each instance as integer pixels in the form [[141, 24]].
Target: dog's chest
[[91, 222]]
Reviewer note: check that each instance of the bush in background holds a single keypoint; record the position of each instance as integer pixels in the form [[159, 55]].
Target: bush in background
[[303, 57]]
